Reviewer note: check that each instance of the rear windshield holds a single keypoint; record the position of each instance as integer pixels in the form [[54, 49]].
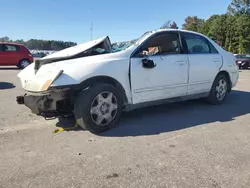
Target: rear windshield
[[27, 49], [243, 56]]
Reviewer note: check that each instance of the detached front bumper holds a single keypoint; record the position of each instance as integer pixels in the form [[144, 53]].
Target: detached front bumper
[[20, 99], [48, 105]]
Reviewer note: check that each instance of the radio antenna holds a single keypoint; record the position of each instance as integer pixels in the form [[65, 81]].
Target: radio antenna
[[91, 31]]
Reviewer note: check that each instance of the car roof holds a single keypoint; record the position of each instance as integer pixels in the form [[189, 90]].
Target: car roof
[[177, 30], [12, 43]]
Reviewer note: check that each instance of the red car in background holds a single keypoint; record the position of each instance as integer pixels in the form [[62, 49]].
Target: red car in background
[[243, 61], [14, 54]]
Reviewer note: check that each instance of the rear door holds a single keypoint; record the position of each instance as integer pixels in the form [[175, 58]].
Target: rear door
[[204, 62]]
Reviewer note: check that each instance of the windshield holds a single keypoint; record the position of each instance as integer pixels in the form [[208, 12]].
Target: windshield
[[243, 57], [119, 46]]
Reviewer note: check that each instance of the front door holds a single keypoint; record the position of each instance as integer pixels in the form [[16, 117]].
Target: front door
[[162, 73]]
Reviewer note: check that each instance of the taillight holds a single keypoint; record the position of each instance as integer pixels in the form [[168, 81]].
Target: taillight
[[237, 62]]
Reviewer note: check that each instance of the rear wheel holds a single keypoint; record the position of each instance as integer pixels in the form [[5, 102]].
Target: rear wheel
[[23, 63], [98, 108], [246, 65], [219, 90]]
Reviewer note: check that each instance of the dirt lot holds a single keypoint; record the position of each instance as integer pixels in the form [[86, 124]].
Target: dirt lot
[[187, 145]]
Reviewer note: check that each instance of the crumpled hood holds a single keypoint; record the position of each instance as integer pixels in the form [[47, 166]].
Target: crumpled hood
[[40, 75], [75, 50]]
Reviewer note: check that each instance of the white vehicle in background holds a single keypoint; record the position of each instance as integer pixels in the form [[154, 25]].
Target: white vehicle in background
[[95, 83]]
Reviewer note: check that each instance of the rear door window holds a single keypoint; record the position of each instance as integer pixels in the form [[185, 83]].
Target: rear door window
[[212, 49], [10, 48], [196, 44]]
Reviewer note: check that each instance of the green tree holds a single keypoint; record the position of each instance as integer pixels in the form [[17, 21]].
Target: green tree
[[231, 31], [169, 24], [192, 23], [243, 33], [218, 29], [20, 41], [231, 41], [238, 7], [205, 26], [4, 39], [173, 25], [35, 44]]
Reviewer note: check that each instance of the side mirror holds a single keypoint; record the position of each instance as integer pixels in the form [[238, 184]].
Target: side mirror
[[148, 64]]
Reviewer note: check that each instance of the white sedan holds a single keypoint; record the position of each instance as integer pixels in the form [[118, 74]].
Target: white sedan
[[95, 82]]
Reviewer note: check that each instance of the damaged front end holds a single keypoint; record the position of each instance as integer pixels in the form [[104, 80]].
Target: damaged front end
[[51, 104], [40, 97], [45, 98]]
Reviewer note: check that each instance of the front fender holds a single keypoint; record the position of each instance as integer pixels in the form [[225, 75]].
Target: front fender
[[78, 72]]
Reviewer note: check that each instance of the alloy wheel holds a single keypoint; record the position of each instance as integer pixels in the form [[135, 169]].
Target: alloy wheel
[[221, 89], [104, 108], [24, 63]]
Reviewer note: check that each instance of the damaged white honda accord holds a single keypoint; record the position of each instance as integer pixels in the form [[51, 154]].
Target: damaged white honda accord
[[95, 82]]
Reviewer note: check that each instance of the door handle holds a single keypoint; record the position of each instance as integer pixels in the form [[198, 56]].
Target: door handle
[[217, 60], [181, 63]]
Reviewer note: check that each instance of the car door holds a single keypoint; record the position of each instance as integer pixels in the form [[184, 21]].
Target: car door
[[204, 62], [11, 55], [2, 55], [163, 73]]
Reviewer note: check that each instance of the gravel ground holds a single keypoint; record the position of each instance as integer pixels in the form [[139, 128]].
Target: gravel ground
[[188, 145]]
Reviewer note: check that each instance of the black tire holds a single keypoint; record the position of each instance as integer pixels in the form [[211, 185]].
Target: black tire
[[245, 66], [83, 105], [22, 65], [212, 98]]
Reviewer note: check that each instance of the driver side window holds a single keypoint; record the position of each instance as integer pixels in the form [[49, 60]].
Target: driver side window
[[161, 44]]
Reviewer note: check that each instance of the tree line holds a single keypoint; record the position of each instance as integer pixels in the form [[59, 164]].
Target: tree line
[[35, 44], [230, 30]]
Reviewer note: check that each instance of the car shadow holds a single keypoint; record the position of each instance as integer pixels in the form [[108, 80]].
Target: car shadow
[[173, 117], [6, 85], [183, 115], [9, 68], [68, 124]]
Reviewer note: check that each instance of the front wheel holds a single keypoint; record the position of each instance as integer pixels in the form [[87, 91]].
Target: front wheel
[[98, 108], [219, 90]]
